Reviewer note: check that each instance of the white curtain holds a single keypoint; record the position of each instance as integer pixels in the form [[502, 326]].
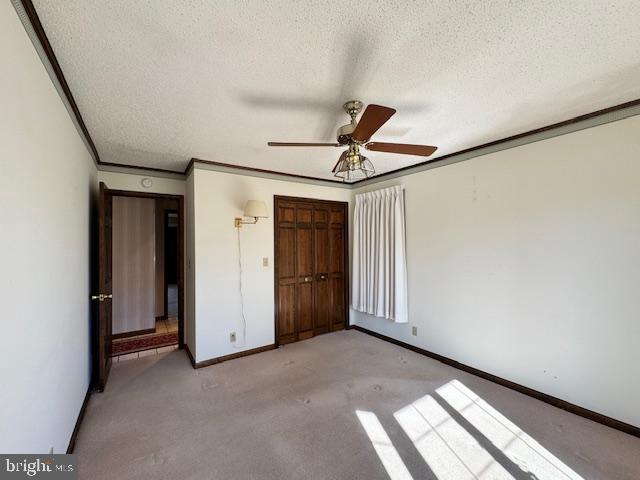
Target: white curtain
[[379, 276]]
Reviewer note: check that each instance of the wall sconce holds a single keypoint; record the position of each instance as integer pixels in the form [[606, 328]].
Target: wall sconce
[[253, 208]]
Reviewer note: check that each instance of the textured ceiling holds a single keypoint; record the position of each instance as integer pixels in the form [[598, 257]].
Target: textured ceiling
[[159, 82]]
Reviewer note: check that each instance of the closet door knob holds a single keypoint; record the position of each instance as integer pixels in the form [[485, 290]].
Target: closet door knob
[[101, 297]]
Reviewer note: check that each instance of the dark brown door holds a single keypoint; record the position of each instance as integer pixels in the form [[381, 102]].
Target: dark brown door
[[336, 274], [310, 266], [285, 265], [323, 306], [303, 318], [102, 355]]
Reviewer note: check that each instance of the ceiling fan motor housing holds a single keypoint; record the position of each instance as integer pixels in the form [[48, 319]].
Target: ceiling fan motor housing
[[353, 108], [344, 133]]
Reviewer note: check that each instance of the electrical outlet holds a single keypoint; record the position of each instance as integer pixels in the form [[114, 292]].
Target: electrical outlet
[[232, 337], [265, 261], [414, 331]]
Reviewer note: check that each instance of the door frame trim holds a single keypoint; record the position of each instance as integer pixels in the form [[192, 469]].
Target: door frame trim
[[285, 198], [181, 244]]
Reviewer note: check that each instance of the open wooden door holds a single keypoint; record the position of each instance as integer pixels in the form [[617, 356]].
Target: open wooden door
[[102, 353]]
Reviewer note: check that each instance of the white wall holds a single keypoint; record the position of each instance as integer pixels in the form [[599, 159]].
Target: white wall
[[132, 182], [219, 198], [47, 181], [526, 264]]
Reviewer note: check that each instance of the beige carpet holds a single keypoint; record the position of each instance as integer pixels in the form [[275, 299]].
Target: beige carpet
[[340, 406]]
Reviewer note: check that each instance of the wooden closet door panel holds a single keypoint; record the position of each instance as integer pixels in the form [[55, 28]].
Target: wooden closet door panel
[[304, 247], [286, 272], [337, 267], [286, 310], [305, 309], [337, 319], [323, 305], [304, 270], [286, 253]]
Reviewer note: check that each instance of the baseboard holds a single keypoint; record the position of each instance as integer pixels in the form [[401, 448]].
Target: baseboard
[[551, 400], [134, 333], [213, 361], [76, 428]]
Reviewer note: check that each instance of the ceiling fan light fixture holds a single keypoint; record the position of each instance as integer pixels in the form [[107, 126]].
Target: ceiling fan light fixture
[[354, 167], [367, 167]]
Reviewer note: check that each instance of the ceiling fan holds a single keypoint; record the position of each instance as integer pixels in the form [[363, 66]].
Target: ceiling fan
[[352, 164]]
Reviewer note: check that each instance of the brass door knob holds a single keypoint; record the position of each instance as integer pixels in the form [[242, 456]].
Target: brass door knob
[[101, 297]]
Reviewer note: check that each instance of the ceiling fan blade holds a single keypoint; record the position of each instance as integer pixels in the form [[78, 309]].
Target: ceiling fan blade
[[335, 167], [403, 148], [372, 119], [294, 144]]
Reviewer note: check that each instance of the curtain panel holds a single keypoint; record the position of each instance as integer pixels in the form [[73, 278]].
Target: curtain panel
[[379, 275]]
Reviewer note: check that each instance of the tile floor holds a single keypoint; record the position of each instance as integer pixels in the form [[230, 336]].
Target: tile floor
[[166, 326], [162, 326], [144, 353]]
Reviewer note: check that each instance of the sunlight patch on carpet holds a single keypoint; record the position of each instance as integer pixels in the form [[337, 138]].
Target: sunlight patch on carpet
[[388, 454], [519, 447], [453, 449]]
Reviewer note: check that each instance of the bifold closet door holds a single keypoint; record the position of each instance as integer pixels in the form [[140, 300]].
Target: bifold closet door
[[310, 267], [295, 267], [323, 306], [304, 271], [285, 266], [337, 273]]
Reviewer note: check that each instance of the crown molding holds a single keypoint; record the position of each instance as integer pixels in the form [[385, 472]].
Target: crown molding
[[197, 163], [138, 170]]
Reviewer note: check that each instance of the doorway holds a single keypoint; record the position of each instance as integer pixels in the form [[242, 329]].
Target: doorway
[[141, 273], [311, 267], [170, 276]]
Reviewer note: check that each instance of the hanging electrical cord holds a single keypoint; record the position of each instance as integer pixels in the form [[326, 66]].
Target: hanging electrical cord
[[244, 320]]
